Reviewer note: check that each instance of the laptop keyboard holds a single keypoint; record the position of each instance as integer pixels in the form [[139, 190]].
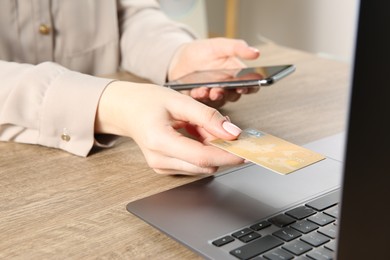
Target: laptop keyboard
[[305, 232]]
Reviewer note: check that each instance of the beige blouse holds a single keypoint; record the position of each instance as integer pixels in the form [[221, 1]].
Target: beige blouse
[[51, 52]]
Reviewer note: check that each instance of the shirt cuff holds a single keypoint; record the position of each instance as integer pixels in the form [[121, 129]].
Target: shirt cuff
[[69, 111]]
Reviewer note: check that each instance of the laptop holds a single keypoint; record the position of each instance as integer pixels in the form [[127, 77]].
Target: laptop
[[334, 209]]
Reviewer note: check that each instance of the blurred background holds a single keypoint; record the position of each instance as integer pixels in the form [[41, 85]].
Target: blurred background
[[325, 27]]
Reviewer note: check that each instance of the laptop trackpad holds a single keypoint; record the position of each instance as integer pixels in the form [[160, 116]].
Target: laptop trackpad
[[216, 205]]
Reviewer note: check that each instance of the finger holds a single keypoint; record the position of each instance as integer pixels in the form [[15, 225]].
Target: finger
[[175, 145], [180, 172], [233, 96], [233, 47], [253, 90], [200, 93], [216, 94], [206, 117], [214, 104], [226, 94], [248, 90], [242, 90], [204, 136], [175, 166], [164, 164]]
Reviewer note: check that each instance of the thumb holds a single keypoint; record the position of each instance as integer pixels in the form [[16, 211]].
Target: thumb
[[220, 126], [210, 120], [235, 48]]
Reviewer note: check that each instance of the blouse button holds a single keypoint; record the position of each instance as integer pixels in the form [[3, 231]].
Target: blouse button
[[44, 29], [65, 137]]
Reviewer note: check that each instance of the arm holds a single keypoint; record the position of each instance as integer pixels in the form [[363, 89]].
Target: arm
[[152, 116], [42, 104], [155, 47], [49, 105], [149, 39]]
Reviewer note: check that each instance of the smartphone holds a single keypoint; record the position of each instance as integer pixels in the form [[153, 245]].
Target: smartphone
[[232, 78]]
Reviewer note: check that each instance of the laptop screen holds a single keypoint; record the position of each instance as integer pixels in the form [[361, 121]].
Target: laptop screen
[[364, 229]]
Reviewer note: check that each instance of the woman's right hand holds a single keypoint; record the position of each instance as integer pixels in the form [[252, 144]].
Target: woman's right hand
[[153, 115]]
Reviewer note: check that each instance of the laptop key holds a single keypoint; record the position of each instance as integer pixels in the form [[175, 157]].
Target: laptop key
[[281, 220], [329, 231], [256, 247], [278, 254], [297, 247], [261, 225], [315, 239], [325, 202], [321, 219], [321, 254], [304, 226], [333, 211], [223, 241], [250, 237], [301, 212], [242, 232], [287, 234], [331, 245]]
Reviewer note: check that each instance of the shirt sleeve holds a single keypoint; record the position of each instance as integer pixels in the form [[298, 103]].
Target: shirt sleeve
[[49, 105], [149, 39]]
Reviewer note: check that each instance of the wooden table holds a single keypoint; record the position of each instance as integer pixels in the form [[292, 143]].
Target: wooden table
[[55, 205]]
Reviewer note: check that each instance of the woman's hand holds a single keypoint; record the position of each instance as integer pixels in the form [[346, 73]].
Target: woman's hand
[[207, 54], [152, 116]]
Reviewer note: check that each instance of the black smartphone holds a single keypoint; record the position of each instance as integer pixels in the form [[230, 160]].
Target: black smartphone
[[232, 78]]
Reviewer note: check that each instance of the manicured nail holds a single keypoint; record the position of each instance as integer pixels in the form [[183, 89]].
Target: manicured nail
[[254, 49], [231, 128]]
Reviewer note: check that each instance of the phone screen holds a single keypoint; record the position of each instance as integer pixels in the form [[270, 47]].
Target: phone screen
[[232, 78]]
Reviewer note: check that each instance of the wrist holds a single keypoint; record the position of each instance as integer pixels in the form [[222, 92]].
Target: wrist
[[174, 68], [106, 113]]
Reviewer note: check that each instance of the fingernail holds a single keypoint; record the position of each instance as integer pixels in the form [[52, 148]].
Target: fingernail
[[231, 128], [254, 49]]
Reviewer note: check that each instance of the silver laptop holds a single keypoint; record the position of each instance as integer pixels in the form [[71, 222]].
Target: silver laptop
[[336, 208]]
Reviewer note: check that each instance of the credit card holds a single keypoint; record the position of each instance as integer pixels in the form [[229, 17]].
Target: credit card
[[269, 151]]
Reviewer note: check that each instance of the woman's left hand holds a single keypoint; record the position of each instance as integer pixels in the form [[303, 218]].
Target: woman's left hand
[[208, 54]]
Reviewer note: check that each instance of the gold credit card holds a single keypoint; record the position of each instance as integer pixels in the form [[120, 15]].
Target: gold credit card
[[269, 151]]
